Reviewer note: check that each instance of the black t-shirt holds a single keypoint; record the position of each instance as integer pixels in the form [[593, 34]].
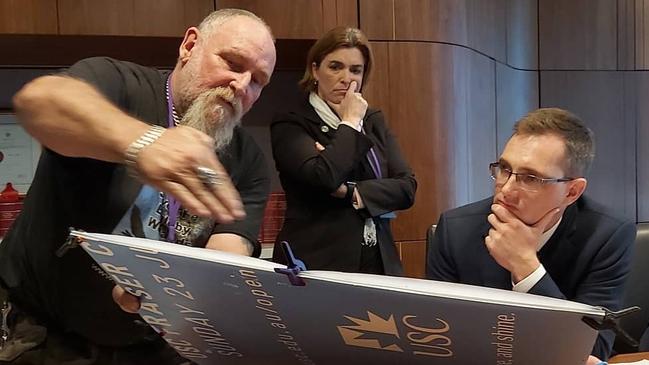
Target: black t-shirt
[[70, 292]]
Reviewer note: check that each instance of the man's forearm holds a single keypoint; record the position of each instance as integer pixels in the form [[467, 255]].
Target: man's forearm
[[72, 118]]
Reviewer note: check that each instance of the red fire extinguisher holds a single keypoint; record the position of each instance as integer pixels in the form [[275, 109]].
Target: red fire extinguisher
[[10, 206]]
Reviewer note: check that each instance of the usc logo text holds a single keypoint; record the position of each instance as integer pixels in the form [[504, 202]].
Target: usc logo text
[[421, 340]]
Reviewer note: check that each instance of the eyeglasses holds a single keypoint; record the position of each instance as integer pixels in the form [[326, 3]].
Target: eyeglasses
[[527, 182]]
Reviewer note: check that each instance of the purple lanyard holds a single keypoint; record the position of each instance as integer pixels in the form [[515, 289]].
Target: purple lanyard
[[374, 163], [373, 160], [174, 205]]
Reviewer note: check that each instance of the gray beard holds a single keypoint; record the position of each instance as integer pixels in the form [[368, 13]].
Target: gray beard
[[208, 114]]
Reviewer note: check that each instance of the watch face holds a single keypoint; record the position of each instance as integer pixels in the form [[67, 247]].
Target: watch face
[[351, 186]]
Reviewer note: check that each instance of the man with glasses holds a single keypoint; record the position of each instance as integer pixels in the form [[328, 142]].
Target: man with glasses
[[538, 234]]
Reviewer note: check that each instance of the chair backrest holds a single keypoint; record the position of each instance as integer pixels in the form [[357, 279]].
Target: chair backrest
[[637, 291], [430, 233], [644, 342]]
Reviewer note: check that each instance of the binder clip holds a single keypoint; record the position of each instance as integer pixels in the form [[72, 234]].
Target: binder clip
[[293, 267], [70, 242], [611, 321]]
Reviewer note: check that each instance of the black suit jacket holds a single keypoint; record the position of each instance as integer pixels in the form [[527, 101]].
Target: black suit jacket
[[324, 231], [587, 259]]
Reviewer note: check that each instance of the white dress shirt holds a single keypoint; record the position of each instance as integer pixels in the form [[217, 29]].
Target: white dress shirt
[[528, 283]]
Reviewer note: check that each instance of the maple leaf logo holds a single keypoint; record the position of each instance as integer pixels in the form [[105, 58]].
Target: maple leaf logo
[[353, 334]]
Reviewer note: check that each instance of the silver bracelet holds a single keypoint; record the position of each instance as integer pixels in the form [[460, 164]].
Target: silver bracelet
[[134, 149]]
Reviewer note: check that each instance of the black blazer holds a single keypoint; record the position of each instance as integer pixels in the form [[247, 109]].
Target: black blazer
[[326, 232], [587, 258]]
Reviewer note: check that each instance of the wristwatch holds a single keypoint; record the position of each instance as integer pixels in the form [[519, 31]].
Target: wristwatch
[[351, 187]]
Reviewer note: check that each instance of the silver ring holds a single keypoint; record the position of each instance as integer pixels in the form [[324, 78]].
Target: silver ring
[[208, 176]]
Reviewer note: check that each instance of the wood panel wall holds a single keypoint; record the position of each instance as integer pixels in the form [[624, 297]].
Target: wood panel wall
[[302, 19], [282, 17], [578, 34], [424, 97], [479, 25], [626, 34], [131, 17], [593, 34], [289, 19], [605, 100], [642, 147], [168, 18], [517, 92], [28, 16], [592, 54], [522, 29], [448, 94], [641, 34]]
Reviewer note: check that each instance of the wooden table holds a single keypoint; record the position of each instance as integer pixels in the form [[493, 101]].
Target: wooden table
[[629, 357]]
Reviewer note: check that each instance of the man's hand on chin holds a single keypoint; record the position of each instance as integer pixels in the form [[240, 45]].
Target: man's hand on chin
[[512, 243]]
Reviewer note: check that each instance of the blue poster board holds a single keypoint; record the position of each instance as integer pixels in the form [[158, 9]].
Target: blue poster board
[[220, 308]]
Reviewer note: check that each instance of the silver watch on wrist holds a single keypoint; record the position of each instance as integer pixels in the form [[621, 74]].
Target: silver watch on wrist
[[134, 149], [349, 194]]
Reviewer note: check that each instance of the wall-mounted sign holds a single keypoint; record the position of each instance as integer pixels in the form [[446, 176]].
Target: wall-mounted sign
[[19, 154]]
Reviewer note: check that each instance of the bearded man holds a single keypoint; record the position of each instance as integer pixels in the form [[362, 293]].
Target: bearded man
[[136, 151]]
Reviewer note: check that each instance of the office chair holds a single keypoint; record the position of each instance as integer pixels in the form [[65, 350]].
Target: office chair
[[644, 342], [430, 233], [637, 293]]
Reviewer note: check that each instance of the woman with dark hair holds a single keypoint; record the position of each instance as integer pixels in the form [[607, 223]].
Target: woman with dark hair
[[340, 166]]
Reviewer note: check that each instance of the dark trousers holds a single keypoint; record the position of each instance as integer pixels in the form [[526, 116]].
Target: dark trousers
[[31, 342], [371, 262], [62, 350]]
